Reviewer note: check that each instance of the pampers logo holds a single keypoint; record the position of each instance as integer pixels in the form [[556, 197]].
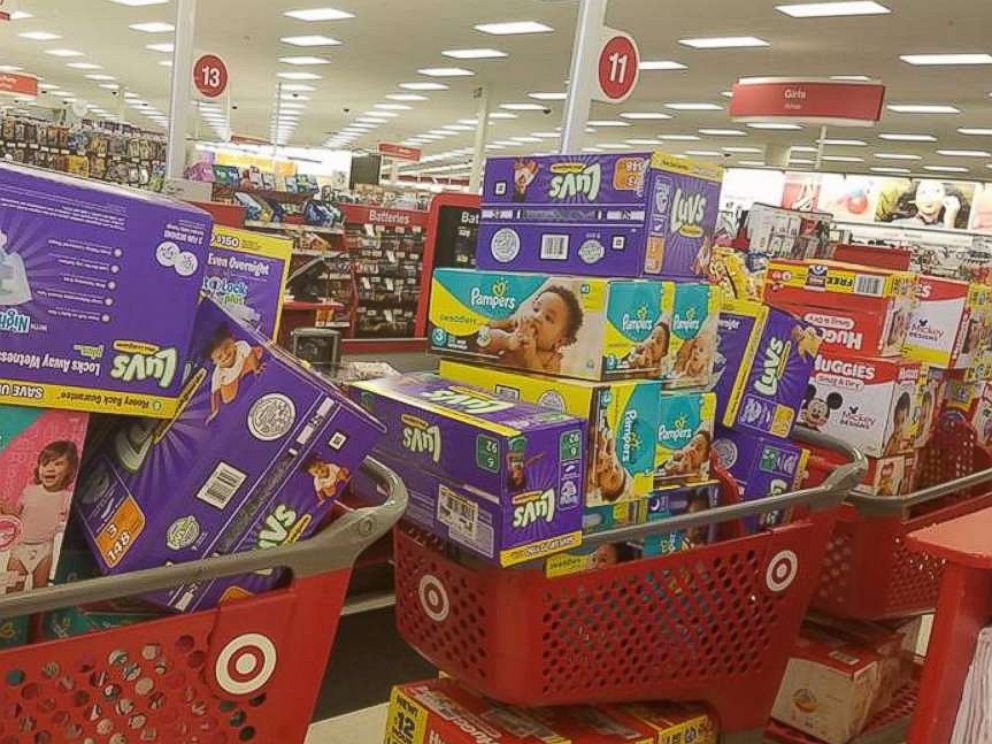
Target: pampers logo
[[137, 361], [12, 321], [572, 180], [468, 401], [532, 507], [678, 434], [631, 441], [496, 299], [773, 366], [688, 324], [640, 323], [420, 437], [688, 212]]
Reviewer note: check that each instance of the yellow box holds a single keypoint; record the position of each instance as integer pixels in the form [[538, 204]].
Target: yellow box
[[684, 438]]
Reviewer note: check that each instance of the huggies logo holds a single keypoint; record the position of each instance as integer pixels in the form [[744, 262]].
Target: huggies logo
[[420, 437], [137, 362], [532, 507], [282, 527], [496, 299], [688, 212], [688, 324], [466, 401], [12, 321], [772, 367], [640, 323], [571, 180]]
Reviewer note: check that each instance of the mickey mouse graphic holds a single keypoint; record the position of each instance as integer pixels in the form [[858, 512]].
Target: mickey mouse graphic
[[816, 411]]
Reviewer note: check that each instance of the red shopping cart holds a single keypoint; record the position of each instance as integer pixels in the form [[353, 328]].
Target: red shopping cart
[[869, 572], [249, 670], [713, 624]]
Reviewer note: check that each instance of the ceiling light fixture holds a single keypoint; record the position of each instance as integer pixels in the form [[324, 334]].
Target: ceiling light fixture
[[423, 86], [298, 76], [100, 77], [63, 53], [445, 72], [916, 108], [294, 87], [924, 60], [775, 126], [752, 163], [979, 132], [511, 28], [548, 96], [20, 15], [153, 27], [166, 48], [406, 97], [852, 78], [845, 142], [689, 106], [724, 42], [522, 106], [502, 115], [312, 40], [945, 168], [312, 15], [642, 142], [393, 107], [305, 61], [39, 36], [644, 116], [908, 137], [84, 66], [843, 159], [679, 137], [661, 64], [897, 156], [723, 133], [608, 123], [703, 153], [965, 153], [834, 9], [889, 169], [474, 53], [742, 149]]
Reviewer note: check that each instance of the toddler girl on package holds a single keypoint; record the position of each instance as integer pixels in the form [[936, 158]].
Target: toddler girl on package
[[39, 458]]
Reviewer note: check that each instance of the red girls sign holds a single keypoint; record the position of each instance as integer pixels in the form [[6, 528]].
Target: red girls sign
[[817, 101]]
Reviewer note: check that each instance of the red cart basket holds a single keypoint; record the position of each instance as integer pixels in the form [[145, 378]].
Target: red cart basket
[[713, 624], [249, 670], [869, 572]]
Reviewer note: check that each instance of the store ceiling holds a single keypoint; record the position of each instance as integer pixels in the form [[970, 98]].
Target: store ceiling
[[388, 41]]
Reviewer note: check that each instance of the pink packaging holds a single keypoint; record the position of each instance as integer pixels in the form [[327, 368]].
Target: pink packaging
[[40, 451]]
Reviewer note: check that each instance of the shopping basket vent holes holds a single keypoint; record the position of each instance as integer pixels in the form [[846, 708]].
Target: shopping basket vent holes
[[149, 693]]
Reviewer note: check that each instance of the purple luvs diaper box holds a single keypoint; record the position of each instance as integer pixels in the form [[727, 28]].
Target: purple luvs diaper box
[[254, 459], [630, 215], [98, 292], [764, 363], [502, 478]]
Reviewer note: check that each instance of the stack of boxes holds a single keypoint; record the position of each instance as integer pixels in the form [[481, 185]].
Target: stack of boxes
[[100, 313]]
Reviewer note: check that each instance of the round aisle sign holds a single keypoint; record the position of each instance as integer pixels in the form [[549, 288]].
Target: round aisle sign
[[210, 75], [619, 67]]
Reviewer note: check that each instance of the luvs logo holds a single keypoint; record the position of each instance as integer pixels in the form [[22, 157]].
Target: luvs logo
[[12, 321], [572, 180], [772, 366], [282, 527], [470, 402], [532, 507], [640, 322], [136, 362], [420, 437], [688, 212], [496, 299]]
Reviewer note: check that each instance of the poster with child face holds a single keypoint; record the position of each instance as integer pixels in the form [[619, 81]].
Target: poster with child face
[[926, 202]]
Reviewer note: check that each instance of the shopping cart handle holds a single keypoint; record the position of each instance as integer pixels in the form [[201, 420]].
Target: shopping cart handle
[[882, 506], [827, 495], [332, 549]]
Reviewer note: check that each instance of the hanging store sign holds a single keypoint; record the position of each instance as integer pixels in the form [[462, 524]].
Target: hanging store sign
[[814, 101]]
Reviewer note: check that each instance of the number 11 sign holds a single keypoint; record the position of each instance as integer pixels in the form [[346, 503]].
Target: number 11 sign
[[618, 67]]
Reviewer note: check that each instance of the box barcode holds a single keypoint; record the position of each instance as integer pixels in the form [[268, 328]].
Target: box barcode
[[221, 486], [554, 247], [868, 285], [460, 514]]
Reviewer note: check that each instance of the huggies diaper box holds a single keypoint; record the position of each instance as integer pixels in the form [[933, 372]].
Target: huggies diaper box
[[932, 391], [856, 309], [592, 329], [255, 458], [503, 479], [888, 476], [764, 362], [685, 435], [691, 315], [762, 466], [98, 292], [870, 403], [951, 323], [644, 214], [622, 416], [246, 273]]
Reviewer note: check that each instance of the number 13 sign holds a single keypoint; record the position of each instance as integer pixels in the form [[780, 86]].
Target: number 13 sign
[[618, 67], [210, 75]]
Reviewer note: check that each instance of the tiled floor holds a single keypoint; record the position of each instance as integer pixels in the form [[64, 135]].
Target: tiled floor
[[361, 727]]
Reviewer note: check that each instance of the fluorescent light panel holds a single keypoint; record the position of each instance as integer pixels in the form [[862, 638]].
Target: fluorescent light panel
[[973, 131], [474, 53], [153, 27], [645, 115], [965, 153], [406, 97], [945, 168], [775, 126], [834, 9], [723, 133], [895, 137], [897, 156], [510, 28], [299, 76], [548, 96], [165, 48], [661, 64], [445, 72], [305, 61], [312, 15], [423, 86], [724, 42], [63, 53], [947, 59], [312, 40], [689, 106], [922, 108]]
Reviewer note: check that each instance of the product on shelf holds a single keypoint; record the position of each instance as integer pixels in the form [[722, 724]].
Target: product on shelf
[[764, 363], [246, 273], [761, 466], [769, 232], [255, 459], [870, 403], [98, 291], [685, 436], [622, 416], [502, 478], [932, 391], [888, 476], [631, 215], [951, 324], [856, 309], [593, 329], [691, 315], [972, 401], [675, 502]]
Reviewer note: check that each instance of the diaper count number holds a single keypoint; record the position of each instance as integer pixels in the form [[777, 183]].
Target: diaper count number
[[619, 67]]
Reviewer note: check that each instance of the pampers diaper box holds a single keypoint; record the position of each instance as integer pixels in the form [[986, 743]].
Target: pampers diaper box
[[255, 458], [622, 416], [764, 363], [98, 293], [951, 324], [870, 403], [631, 215], [588, 328], [246, 273], [859, 310], [691, 315], [685, 436], [503, 479]]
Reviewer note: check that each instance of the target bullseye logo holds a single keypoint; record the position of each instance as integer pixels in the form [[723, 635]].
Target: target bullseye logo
[[434, 598], [782, 571], [246, 664]]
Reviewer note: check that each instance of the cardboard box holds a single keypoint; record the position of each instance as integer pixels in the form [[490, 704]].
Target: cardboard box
[[622, 416], [675, 723], [672, 503], [932, 391], [872, 404], [255, 459], [950, 325], [888, 476], [611, 516], [98, 293], [592, 329], [73, 621], [589, 558], [856, 309], [685, 437], [504, 479], [691, 312], [630, 215], [973, 401], [762, 467], [830, 687], [246, 275], [764, 363]]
